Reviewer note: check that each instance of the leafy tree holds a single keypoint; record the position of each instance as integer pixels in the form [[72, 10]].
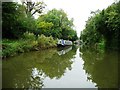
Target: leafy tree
[[60, 27], [89, 35], [15, 22], [12, 16], [45, 27]]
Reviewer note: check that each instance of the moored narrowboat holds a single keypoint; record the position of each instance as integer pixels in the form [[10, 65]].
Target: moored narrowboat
[[62, 42]]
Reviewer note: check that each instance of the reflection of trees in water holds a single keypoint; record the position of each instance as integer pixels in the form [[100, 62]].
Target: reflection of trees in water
[[56, 65], [18, 71], [101, 67], [35, 80], [28, 70]]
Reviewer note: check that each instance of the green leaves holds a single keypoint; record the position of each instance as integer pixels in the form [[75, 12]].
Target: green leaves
[[10, 22], [57, 24], [15, 23], [44, 25], [104, 25], [17, 19]]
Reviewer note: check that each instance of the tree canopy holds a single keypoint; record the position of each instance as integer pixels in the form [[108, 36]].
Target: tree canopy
[[57, 24], [103, 26], [19, 18]]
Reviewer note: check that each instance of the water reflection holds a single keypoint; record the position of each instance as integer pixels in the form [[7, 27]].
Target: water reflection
[[64, 50], [101, 67], [61, 67], [29, 70]]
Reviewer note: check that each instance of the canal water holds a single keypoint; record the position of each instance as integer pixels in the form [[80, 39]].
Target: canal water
[[67, 67]]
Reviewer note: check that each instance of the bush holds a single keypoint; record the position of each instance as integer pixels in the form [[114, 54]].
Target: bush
[[52, 41], [10, 48], [44, 41], [41, 40], [29, 36]]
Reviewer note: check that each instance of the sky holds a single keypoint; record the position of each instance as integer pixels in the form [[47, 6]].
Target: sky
[[78, 9]]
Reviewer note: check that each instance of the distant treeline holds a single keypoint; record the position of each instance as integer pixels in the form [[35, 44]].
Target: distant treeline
[[103, 28]]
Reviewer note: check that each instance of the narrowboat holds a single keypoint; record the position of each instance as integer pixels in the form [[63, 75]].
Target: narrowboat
[[62, 42]]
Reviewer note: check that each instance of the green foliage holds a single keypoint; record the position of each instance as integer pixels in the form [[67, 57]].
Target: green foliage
[[15, 22], [30, 36], [57, 24], [8, 15], [44, 27], [11, 48], [103, 26], [22, 32], [44, 41], [89, 35]]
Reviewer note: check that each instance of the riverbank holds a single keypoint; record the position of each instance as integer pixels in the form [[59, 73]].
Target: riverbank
[[14, 47]]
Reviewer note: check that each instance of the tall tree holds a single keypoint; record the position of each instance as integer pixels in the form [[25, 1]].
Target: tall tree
[[11, 22], [14, 21]]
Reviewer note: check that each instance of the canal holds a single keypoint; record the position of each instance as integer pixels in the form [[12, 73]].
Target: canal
[[67, 67]]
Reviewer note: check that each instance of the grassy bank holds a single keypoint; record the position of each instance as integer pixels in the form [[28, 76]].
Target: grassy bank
[[29, 43]]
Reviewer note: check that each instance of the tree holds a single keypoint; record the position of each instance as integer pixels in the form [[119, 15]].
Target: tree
[[104, 26], [32, 8], [61, 26], [45, 27], [14, 21], [12, 24]]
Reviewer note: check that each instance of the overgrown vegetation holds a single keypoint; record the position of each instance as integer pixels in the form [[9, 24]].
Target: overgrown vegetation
[[103, 28], [22, 32], [13, 47]]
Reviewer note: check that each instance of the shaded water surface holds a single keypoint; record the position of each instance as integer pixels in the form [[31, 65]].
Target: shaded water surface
[[68, 67]]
